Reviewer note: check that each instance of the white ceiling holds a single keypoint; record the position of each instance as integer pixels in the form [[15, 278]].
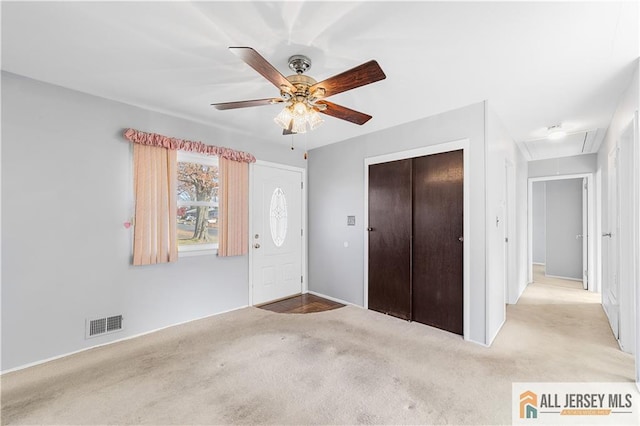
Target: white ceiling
[[538, 63]]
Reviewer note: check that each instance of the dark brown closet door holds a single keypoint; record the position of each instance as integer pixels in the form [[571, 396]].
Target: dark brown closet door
[[390, 238], [437, 251]]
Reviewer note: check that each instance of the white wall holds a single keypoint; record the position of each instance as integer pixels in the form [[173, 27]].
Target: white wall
[[66, 191], [506, 235], [538, 216], [336, 190], [623, 116], [585, 163], [563, 222]]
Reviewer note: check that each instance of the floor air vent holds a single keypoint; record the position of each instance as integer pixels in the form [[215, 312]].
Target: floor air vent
[[99, 326]]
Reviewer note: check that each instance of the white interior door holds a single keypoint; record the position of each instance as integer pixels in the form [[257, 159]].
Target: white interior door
[[625, 249], [585, 235], [276, 227], [610, 296], [510, 233]]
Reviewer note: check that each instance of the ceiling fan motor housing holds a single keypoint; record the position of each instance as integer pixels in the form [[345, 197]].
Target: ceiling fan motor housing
[[302, 83]]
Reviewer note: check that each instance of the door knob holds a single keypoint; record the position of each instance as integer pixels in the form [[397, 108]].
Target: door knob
[[608, 234], [369, 229], [460, 239], [256, 245]]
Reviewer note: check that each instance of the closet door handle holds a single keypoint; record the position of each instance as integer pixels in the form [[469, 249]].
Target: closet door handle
[[460, 239], [369, 229]]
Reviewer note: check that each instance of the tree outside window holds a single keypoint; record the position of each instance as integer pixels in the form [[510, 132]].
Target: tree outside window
[[197, 202]]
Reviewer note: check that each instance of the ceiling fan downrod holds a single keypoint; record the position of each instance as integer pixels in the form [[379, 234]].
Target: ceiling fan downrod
[[299, 63]]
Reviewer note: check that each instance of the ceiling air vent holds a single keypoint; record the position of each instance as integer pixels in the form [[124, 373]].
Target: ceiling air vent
[[105, 325]]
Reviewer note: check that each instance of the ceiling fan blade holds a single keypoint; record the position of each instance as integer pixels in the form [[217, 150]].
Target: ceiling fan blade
[[260, 64], [364, 74], [344, 113], [245, 104]]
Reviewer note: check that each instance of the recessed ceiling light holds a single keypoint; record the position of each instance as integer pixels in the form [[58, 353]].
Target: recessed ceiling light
[[556, 132]]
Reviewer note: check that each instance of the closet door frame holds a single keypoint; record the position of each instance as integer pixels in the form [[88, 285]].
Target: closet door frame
[[462, 144]]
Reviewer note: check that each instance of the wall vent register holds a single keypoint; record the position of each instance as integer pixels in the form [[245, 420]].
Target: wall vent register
[[105, 325]]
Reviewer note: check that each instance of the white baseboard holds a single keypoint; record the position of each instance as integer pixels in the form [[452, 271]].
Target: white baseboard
[[33, 364], [522, 289], [496, 333], [488, 345], [563, 278], [475, 342], [335, 299]]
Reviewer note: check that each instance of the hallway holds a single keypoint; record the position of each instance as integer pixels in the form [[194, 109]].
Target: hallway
[[558, 321]]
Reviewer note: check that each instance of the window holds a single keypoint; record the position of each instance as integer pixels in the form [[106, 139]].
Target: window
[[197, 203]]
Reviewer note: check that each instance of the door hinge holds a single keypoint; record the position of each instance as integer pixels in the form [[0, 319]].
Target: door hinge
[[301, 185], [301, 279], [302, 232]]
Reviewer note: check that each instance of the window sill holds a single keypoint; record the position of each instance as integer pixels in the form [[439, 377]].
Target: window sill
[[204, 252]]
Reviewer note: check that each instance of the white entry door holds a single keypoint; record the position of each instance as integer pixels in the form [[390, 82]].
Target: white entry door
[[276, 240]]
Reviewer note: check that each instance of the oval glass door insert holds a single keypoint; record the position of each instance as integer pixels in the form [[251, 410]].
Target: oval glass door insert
[[278, 217]]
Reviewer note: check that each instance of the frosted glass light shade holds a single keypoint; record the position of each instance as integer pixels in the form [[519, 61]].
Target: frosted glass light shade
[[299, 124], [314, 119], [284, 118], [295, 117]]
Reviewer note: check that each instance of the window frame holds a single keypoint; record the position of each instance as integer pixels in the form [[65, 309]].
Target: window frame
[[197, 249]]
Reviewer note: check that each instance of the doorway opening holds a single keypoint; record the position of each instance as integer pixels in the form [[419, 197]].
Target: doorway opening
[[561, 228]]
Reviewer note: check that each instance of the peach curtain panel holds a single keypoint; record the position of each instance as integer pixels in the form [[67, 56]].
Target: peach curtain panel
[[234, 208], [155, 214]]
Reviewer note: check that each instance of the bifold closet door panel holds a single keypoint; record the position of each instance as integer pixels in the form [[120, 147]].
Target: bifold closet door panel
[[390, 238], [437, 250]]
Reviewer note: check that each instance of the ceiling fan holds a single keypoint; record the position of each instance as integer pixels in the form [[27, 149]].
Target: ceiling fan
[[303, 96]]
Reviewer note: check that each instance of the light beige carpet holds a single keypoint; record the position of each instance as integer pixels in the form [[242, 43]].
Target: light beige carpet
[[346, 366]]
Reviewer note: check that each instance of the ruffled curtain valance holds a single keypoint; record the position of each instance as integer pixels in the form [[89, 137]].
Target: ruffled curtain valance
[[154, 139]]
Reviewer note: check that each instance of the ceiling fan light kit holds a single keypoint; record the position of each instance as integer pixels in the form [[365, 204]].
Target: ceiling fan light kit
[[301, 108], [304, 96]]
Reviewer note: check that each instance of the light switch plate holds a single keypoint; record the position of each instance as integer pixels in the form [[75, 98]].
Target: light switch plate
[[351, 221]]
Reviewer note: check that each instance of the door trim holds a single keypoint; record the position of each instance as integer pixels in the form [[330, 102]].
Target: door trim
[[305, 284], [462, 144], [592, 283]]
